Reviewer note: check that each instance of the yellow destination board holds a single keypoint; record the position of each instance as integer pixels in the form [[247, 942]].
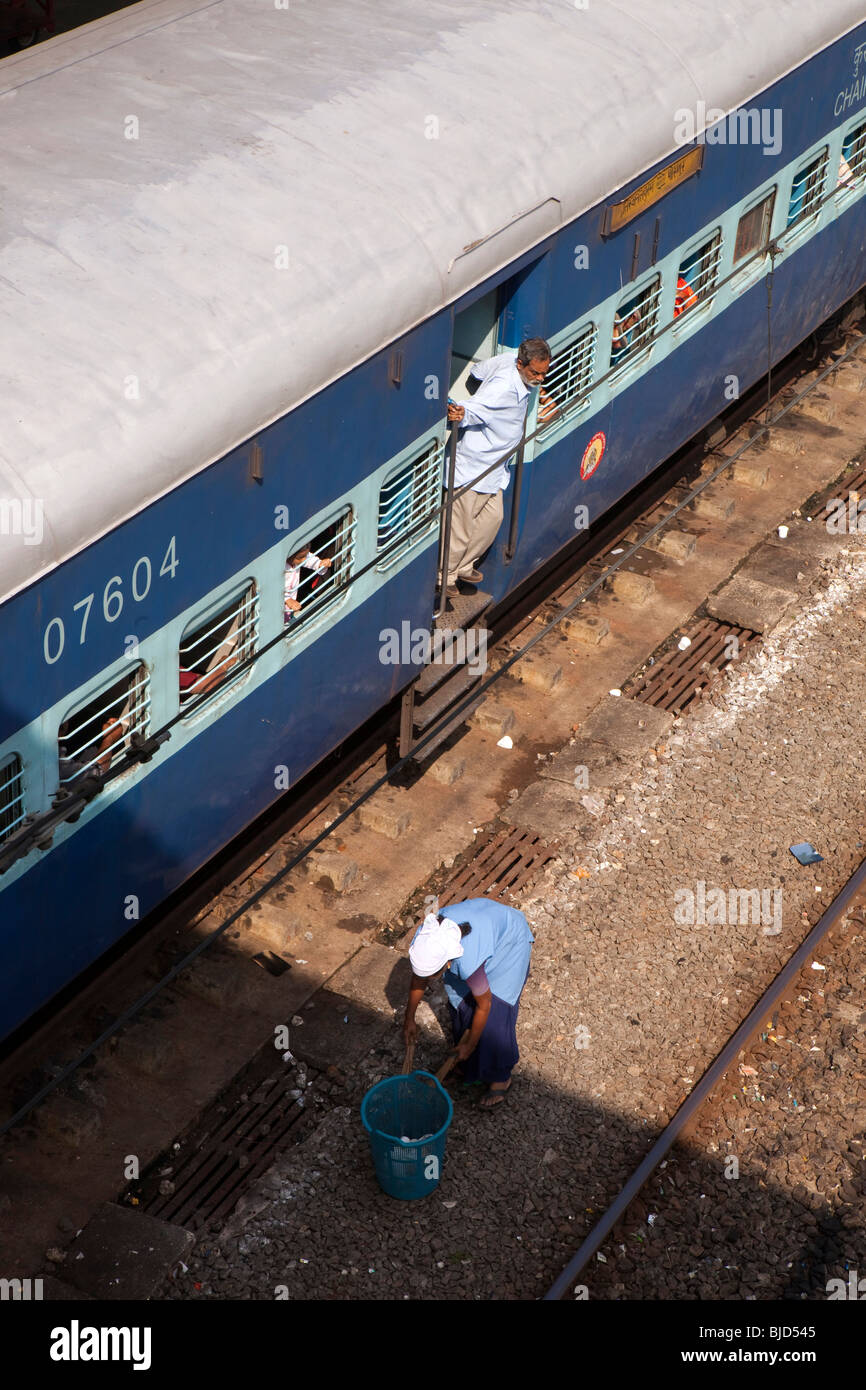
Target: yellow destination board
[[618, 214]]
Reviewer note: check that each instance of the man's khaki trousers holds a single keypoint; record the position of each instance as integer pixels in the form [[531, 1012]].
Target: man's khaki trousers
[[475, 520]]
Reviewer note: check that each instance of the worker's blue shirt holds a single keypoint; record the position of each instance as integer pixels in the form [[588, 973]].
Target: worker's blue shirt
[[500, 941]]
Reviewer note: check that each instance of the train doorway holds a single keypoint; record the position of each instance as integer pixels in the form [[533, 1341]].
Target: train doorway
[[476, 336]]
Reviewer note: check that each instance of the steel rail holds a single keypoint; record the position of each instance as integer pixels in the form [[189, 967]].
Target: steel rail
[[740, 1039]]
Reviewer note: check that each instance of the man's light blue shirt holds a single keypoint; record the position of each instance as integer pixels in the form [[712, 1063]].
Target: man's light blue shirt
[[492, 424]]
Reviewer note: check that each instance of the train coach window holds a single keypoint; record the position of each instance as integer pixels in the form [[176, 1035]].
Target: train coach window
[[317, 569], [566, 386], [93, 737], [409, 497], [852, 165], [806, 189], [753, 228], [11, 796], [213, 647], [634, 323], [696, 277]]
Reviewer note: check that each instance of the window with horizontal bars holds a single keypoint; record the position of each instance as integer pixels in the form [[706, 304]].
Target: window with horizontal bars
[[11, 796], [213, 648], [753, 228], [806, 189], [634, 323], [410, 496], [852, 165], [569, 377], [697, 275], [317, 570], [95, 736]]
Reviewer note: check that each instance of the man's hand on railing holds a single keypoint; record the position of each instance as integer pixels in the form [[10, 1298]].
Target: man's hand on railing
[[455, 412]]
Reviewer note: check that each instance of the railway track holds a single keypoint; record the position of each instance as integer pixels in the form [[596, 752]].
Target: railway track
[[758, 1022], [245, 875]]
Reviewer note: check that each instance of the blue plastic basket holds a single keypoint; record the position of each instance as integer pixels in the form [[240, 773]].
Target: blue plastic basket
[[407, 1119]]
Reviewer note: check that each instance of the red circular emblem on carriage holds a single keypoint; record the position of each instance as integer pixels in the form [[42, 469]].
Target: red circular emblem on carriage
[[592, 455]]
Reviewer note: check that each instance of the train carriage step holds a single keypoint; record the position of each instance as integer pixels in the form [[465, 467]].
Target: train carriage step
[[450, 650], [458, 685], [463, 610], [445, 732], [458, 661]]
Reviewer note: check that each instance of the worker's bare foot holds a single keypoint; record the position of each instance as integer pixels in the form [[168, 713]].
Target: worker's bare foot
[[495, 1095]]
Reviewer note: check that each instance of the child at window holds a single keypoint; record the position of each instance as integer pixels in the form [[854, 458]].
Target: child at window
[[303, 559]]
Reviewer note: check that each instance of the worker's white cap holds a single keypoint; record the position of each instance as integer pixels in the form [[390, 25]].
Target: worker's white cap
[[435, 943]]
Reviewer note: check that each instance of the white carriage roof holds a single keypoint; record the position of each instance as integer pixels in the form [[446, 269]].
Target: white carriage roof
[[148, 264]]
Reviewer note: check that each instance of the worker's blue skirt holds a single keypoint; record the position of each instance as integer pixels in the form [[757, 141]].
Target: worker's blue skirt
[[496, 1052]]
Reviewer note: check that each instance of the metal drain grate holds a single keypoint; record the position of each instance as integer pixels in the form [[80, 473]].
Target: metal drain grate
[[840, 491], [235, 1141], [680, 678], [506, 863]]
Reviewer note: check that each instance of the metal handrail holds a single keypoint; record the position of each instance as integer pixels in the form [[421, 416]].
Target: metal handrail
[[445, 531], [511, 545]]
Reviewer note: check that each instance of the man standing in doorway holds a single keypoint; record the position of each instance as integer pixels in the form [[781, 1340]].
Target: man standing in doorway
[[491, 425]]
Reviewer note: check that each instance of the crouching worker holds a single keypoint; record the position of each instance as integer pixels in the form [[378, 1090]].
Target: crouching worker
[[481, 948]]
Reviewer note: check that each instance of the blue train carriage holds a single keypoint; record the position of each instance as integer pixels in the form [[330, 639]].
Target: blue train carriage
[[233, 322]]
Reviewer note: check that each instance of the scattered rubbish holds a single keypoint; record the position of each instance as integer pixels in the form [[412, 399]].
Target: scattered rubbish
[[505, 742], [184, 1269], [684, 642], [816, 966], [601, 1257], [749, 1071], [300, 962], [618, 550], [614, 692], [593, 803], [579, 873], [345, 1018], [297, 1021], [782, 532], [449, 1205], [288, 1057], [805, 853], [651, 1219]]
